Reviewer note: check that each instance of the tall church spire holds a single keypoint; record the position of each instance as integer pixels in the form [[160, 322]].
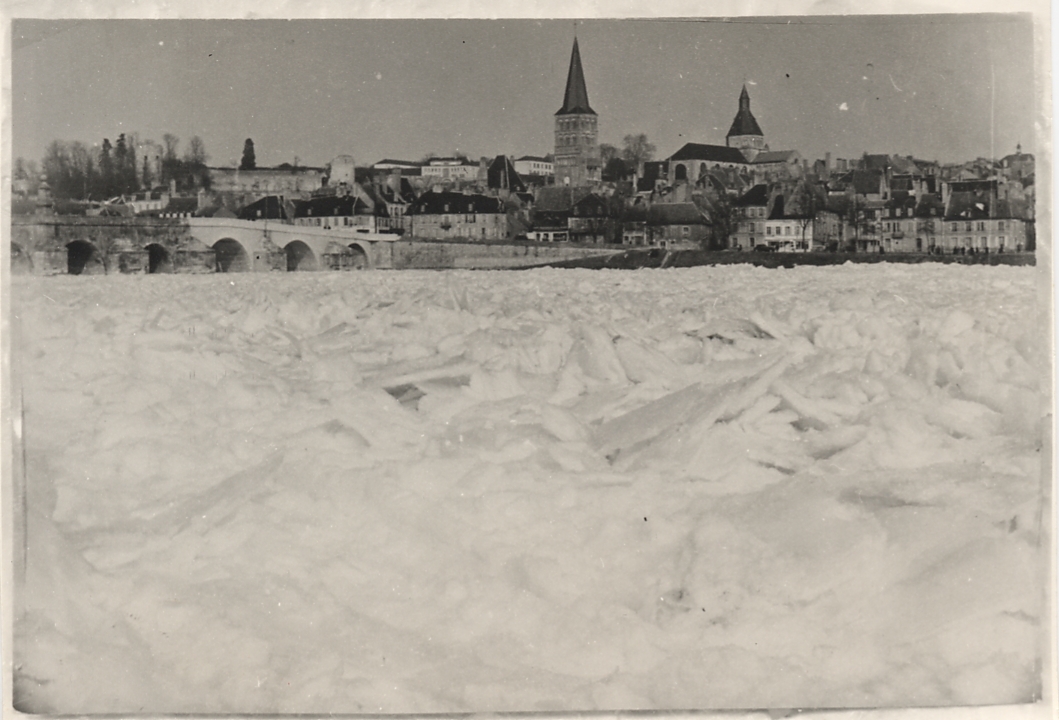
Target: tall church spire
[[745, 133], [576, 99], [744, 123], [577, 161]]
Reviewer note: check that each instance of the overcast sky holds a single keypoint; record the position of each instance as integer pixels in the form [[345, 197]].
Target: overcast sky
[[947, 87]]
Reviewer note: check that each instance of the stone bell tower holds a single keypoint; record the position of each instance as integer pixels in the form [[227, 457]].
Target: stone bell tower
[[576, 131]]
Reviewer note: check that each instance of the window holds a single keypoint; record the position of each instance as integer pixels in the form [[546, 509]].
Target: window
[[968, 226], [787, 230], [685, 231], [955, 227], [768, 230], [981, 226], [1000, 226]]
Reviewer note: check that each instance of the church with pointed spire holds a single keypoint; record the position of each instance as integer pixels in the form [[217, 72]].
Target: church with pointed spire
[[577, 160], [745, 134]]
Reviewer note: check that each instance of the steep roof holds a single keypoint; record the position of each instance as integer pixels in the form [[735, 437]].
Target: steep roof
[[675, 214], [709, 153], [335, 205], [271, 208], [930, 205], [757, 195], [534, 158], [774, 156], [967, 206], [900, 164], [502, 176], [558, 198], [744, 123], [866, 182], [437, 203], [575, 101], [591, 205]]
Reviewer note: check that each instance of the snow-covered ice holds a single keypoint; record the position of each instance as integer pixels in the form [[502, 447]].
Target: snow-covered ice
[[544, 490]]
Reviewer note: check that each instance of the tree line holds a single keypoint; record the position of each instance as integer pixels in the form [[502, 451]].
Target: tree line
[[75, 171]]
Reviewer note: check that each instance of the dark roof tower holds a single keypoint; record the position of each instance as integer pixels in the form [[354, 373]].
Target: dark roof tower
[[575, 102], [744, 123]]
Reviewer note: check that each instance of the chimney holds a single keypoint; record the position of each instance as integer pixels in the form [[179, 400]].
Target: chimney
[[827, 161]]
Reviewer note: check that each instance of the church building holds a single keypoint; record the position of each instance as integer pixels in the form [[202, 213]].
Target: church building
[[577, 160], [744, 151]]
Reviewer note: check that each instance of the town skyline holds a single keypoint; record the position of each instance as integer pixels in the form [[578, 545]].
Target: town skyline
[[949, 88]]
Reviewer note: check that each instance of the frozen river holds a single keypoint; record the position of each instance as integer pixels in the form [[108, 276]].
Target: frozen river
[[545, 490]]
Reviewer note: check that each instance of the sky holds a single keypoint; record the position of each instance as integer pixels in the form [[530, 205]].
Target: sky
[[939, 87]]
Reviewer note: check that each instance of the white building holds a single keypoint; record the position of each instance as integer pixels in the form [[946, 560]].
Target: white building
[[451, 168], [533, 165]]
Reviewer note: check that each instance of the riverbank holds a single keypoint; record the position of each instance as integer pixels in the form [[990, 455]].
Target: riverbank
[[658, 257]]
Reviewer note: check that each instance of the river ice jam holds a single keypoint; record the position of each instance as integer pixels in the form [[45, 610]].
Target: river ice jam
[[546, 490]]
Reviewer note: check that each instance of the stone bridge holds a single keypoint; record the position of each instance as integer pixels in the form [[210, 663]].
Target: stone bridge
[[260, 245], [53, 245], [78, 245]]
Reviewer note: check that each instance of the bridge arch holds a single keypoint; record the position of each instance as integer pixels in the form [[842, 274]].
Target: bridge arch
[[300, 256], [158, 259], [231, 256], [82, 258], [358, 257]]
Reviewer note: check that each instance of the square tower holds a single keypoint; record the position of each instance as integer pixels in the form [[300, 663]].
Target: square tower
[[576, 131]]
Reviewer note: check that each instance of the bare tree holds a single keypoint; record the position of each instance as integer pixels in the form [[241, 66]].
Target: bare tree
[[808, 201], [637, 150], [607, 153], [196, 153]]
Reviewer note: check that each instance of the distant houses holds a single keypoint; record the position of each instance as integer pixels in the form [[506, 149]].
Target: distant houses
[[739, 196]]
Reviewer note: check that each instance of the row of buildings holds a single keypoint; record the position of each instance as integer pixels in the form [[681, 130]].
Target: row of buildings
[[740, 196]]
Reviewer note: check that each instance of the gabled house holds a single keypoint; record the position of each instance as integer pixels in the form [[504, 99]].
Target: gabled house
[[749, 212], [332, 212], [634, 225], [454, 215], [977, 222], [788, 230], [270, 207], [677, 224], [590, 220], [550, 216], [897, 224], [930, 215]]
